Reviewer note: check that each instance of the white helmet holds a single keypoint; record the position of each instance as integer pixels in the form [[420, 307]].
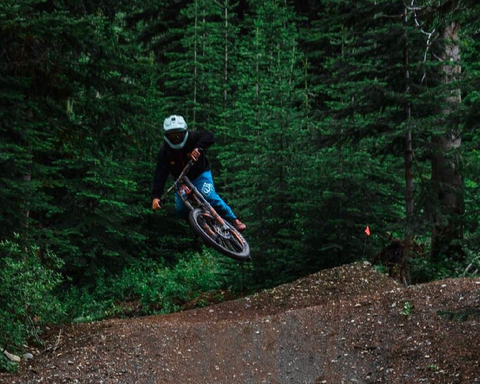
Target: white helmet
[[175, 131]]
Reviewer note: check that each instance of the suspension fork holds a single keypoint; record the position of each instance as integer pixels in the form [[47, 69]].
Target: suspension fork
[[202, 201], [208, 209]]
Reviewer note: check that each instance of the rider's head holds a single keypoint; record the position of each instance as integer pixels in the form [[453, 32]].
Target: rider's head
[[175, 131]]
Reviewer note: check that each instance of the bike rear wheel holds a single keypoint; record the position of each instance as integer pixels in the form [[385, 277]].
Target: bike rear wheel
[[222, 237]]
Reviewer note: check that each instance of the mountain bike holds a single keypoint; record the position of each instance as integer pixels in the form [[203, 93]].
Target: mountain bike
[[205, 220]]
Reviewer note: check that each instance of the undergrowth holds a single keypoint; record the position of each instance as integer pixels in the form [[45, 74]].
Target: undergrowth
[[146, 287], [27, 296], [33, 293]]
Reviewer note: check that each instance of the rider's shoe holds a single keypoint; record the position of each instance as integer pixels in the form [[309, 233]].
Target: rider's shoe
[[238, 225]]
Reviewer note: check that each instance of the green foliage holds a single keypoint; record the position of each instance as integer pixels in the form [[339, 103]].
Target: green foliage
[[260, 132], [28, 282], [73, 151], [166, 289], [310, 103], [426, 269], [462, 315], [407, 309], [146, 287]]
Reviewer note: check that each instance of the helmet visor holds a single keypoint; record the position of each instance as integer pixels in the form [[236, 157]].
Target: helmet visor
[[175, 137]]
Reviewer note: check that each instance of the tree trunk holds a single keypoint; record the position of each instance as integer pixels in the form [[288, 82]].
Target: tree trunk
[[408, 163], [195, 58], [408, 138], [225, 69], [446, 178]]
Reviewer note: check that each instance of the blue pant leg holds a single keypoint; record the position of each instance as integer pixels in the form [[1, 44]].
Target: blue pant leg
[[204, 184]]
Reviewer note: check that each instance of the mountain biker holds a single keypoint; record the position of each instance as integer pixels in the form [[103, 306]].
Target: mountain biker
[[179, 147]]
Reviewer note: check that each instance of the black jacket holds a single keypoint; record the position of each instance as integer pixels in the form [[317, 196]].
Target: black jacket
[[172, 161]]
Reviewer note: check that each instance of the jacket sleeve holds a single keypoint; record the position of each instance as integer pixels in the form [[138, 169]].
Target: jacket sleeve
[[203, 139], [161, 175]]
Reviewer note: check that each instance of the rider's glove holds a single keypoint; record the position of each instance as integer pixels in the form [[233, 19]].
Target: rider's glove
[[156, 204]]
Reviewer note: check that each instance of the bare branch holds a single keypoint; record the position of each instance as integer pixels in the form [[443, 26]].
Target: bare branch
[[430, 35]]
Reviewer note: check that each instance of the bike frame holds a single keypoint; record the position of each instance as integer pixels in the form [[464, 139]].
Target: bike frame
[[194, 199], [205, 220]]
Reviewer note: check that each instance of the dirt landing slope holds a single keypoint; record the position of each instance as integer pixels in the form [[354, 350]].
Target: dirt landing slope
[[345, 325]]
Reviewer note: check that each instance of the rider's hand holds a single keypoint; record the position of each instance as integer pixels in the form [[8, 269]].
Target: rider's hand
[[156, 204], [195, 155]]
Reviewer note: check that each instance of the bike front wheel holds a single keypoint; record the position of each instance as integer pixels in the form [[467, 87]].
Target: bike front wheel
[[222, 237]]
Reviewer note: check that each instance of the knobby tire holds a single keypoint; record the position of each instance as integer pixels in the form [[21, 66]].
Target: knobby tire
[[224, 238]]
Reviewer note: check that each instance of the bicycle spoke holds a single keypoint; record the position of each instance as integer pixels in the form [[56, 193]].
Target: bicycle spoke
[[228, 245], [234, 245], [220, 235], [225, 242]]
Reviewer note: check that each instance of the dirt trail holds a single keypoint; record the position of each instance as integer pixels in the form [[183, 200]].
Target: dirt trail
[[345, 325]]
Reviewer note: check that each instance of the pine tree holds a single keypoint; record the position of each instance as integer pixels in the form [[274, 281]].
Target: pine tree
[[469, 122], [260, 136], [75, 128], [382, 92], [359, 84]]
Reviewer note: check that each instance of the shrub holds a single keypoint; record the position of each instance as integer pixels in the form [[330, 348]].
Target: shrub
[[28, 279], [154, 287], [424, 270]]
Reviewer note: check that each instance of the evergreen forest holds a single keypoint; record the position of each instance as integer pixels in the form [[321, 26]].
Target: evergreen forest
[[332, 118]]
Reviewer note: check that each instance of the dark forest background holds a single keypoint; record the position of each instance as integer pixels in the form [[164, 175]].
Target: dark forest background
[[329, 116]]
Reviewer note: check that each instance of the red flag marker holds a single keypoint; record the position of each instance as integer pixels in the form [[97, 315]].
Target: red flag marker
[[367, 231]]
